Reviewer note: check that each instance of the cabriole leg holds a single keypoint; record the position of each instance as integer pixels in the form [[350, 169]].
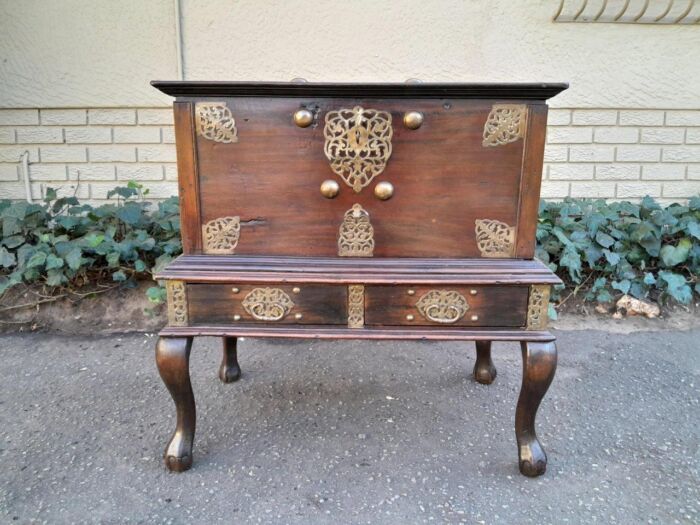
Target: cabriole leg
[[229, 371], [539, 365], [484, 371], [173, 360]]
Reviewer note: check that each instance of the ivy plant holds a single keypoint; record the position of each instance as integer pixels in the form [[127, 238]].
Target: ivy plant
[[609, 249], [63, 243]]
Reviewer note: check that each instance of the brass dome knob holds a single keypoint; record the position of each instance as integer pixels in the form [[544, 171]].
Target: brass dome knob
[[384, 190], [329, 188], [413, 119], [303, 118]]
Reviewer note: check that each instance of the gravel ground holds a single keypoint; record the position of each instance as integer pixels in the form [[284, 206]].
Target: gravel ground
[[349, 432]]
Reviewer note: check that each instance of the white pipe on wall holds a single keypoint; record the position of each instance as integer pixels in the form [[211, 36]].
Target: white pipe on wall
[[178, 41], [24, 159]]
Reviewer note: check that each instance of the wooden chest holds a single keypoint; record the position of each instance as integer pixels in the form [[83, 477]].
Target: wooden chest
[[359, 211]]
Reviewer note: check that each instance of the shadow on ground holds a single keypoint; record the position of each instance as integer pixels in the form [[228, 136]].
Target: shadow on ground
[[349, 432]]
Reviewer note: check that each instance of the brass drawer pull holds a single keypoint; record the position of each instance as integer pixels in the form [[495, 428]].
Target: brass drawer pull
[[268, 304], [442, 306]]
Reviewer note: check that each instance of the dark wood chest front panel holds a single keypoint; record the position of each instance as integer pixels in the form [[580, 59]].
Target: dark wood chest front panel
[[271, 304], [446, 306], [444, 178]]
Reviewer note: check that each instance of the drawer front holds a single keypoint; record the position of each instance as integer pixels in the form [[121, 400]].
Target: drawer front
[[271, 304], [446, 306], [456, 178]]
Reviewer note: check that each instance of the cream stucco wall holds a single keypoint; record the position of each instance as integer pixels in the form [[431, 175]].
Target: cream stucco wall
[[75, 93], [96, 53]]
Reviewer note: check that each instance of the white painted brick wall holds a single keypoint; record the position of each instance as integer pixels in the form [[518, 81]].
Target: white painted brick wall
[[607, 153], [634, 152]]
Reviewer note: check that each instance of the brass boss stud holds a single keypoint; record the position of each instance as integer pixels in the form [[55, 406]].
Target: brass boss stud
[[329, 188], [303, 118], [384, 190], [413, 119]]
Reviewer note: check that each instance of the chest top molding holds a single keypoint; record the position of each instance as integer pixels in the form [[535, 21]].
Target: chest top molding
[[519, 91]]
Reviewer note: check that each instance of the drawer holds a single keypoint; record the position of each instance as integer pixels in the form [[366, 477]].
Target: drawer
[[446, 306], [264, 303], [455, 193]]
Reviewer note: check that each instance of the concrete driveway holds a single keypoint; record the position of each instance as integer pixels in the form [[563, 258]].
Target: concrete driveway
[[349, 432]]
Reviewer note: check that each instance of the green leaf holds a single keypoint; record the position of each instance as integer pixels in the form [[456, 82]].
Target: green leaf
[[604, 296], [572, 260], [604, 239], [13, 241], [113, 259], [7, 259], [119, 276], [53, 262], [130, 213], [611, 257], [38, 259], [623, 286], [51, 195], [74, 258], [674, 255], [552, 312], [94, 239], [139, 265], [694, 229], [649, 279], [55, 278], [676, 286], [156, 294]]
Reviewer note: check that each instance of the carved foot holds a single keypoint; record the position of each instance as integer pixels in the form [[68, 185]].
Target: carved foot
[[539, 365], [229, 371], [173, 360], [484, 371]]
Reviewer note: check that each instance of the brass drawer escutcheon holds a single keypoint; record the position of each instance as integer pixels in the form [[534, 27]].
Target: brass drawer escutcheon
[[358, 144], [356, 234], [220, 236], [177, 303], [506, 123], [268, 304], [537, 307], [442, 306], [495, 238], [215, 122]]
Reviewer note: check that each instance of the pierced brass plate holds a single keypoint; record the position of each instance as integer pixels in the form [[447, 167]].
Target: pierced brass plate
[[538, 306], [215, 122], [268, 304], [442, 306], [356, 306], [506, 123], [495, 238], [177, 303], [356, 234], [220, 236], [358, 144]]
